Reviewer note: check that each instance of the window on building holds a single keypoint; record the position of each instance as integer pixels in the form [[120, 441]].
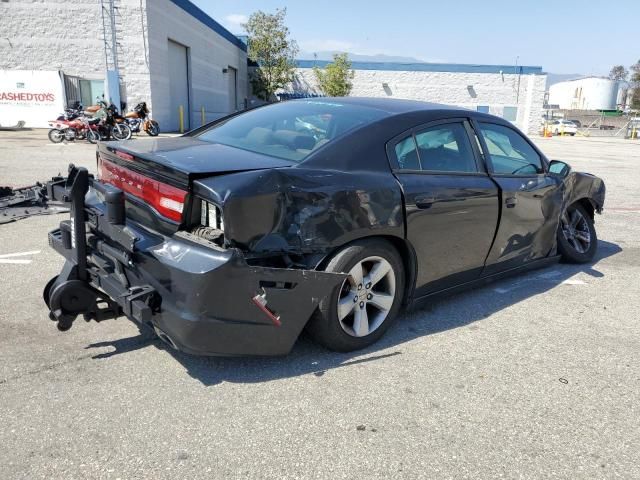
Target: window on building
[[510, 113], [482, 108], [509, 152]]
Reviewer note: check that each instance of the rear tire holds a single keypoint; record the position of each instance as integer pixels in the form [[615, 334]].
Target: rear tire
[[577, 239], [368, 302]]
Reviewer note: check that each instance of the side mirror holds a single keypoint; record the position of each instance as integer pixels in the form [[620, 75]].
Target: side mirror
[[558, 168]]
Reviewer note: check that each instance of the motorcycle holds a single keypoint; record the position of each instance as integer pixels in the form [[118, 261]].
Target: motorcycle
[[139, 119], [68, 126], [112, 124]]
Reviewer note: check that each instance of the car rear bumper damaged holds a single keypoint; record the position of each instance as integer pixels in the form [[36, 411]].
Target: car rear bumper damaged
[[198, 297]]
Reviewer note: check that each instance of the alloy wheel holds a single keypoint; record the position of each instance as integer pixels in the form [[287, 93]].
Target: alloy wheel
[[366, 296], [575, 230]]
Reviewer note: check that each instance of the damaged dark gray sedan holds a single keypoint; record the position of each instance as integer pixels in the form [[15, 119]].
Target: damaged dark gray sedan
[[324, 214]]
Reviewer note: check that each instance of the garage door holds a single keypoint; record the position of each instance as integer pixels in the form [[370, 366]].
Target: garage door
[[178, 84]]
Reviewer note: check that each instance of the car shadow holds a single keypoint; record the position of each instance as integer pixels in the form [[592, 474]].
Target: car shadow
[[441, 314]]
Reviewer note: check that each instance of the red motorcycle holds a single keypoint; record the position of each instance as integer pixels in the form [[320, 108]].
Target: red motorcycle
[[68, 126]]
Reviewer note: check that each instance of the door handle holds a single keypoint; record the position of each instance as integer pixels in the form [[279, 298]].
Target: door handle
[[511, 202], [425, 201]]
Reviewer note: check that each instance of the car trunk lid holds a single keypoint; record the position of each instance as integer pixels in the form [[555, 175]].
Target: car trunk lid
[[159, 173]]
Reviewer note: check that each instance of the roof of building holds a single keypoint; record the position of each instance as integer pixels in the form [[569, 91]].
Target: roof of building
[[198, 14], [430, 67]]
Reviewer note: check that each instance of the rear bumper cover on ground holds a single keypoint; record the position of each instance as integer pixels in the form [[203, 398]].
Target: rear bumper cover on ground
[[205, 300]]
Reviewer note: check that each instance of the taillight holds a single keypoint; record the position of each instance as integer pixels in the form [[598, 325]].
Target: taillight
[[166, 199]]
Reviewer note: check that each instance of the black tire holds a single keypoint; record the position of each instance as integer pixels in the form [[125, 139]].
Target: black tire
[[56, 135], [121, 131], [326, 328], [154, 129], [93, 136], [569, 247]]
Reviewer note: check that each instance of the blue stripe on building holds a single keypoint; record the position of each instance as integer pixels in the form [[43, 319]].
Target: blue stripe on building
[[430, 67], [198, 14]]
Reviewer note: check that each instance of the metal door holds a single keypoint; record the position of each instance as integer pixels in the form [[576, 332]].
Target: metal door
[[178, 85]]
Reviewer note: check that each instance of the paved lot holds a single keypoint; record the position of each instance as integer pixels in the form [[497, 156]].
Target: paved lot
[[533, 377]]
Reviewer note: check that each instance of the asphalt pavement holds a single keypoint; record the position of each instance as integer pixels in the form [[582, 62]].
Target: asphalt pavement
[[537, 376]]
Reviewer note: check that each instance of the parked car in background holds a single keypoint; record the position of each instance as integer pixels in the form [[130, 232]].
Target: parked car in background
[[576, 122], [328, 214], [563, 127]]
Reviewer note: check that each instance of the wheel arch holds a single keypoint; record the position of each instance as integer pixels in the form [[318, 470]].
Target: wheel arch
[[402, 246], [588, 204]]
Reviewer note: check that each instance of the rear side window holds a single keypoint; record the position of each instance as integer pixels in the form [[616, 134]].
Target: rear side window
[[446, 148], [509, 152], [407, 154]]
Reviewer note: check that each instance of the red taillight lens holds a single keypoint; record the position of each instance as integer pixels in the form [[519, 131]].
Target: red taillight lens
[[166, 199]]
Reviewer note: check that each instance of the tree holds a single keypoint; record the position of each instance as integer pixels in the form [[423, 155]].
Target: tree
[[334, 80], [618, 72], [635, 83], [273, 50]]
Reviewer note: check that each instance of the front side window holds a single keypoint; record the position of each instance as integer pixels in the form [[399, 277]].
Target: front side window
[[290, 130], [509, 152]]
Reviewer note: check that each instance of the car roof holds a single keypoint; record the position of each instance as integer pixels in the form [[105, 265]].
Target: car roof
[[389, 105]]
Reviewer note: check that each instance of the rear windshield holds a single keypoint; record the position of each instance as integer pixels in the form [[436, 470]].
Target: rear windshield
[[290, 130]]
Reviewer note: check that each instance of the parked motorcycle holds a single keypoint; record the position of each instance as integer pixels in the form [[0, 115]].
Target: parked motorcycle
[[68, 126], [112, 124], [139, 119]]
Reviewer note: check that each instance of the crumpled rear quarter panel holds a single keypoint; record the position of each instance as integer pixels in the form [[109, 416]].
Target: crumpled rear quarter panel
[[301, 210]]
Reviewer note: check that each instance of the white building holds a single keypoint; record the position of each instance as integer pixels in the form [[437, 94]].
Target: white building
[[512, 92], [170, 54], [590, 93]]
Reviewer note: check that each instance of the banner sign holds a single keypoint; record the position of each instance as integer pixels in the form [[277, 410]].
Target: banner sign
[[30, 96]]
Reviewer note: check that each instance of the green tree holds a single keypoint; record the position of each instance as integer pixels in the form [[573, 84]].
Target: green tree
[[618, 72], [273, 50], [635, 83], [334, 80]]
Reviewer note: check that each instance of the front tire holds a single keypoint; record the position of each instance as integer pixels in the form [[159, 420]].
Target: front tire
[[368, 302], [121, 131], [93, 136], [153, 129], [577, 239], [56, 135]]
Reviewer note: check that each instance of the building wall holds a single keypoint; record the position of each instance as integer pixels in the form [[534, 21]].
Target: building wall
[[585, 94], [468, 90], [67, 35], [209, 54]]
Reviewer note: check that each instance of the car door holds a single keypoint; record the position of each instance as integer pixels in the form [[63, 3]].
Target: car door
[[451, 203], [530, 198]]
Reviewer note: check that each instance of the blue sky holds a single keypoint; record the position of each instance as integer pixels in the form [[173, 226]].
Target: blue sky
[[562, 36]]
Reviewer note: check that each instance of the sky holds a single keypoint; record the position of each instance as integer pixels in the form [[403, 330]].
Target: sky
[[562, 36]]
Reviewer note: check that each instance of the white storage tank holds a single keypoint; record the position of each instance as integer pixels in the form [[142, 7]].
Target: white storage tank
[[591, 93]]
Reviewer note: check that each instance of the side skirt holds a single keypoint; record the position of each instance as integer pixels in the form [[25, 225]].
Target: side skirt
[[536, 264]]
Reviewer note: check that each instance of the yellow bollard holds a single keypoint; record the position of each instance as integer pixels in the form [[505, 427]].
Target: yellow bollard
[[562, 130], [634, 133], [181, 118], [203, 120]]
